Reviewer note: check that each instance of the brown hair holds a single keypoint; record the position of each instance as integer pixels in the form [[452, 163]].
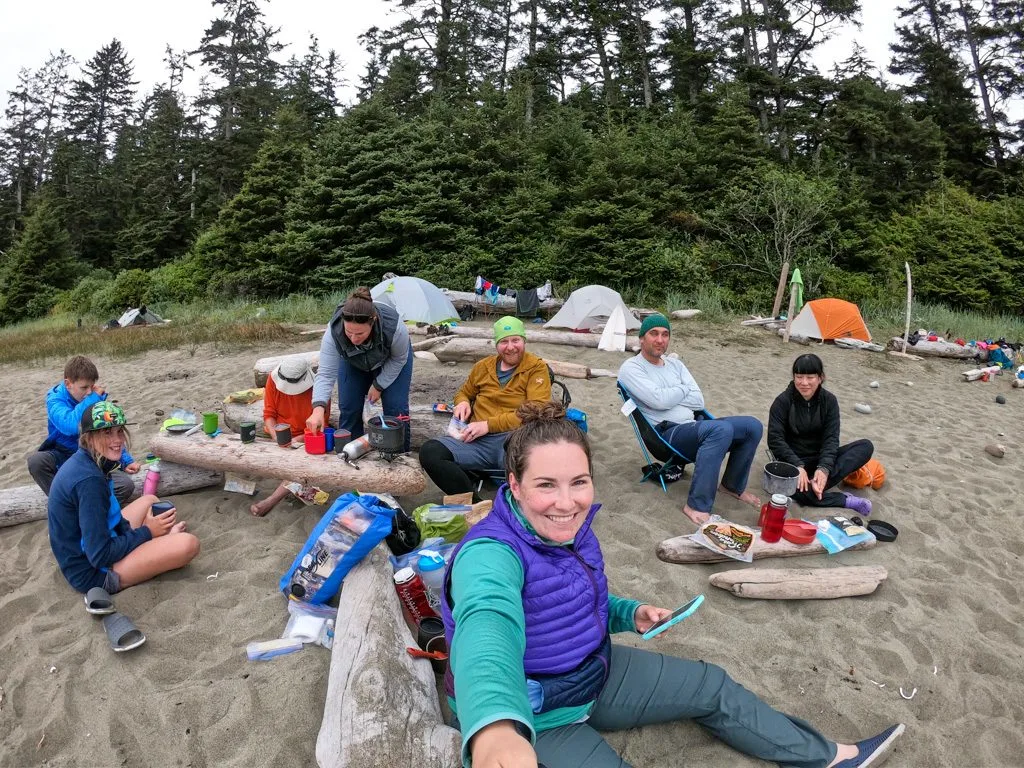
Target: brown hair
[[85, 441], [359, 302], [543, 423], [80, 368]]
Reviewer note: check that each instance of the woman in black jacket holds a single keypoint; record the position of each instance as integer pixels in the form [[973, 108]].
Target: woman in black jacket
[[803, 430]]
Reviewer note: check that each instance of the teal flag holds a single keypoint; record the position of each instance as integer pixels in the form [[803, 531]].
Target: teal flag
[[796, 287]]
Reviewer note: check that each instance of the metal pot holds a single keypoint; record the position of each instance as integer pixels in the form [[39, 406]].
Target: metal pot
[[386, 434], [780, 477]]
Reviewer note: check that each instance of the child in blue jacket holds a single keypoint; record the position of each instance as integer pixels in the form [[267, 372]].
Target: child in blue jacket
[[65, 404]]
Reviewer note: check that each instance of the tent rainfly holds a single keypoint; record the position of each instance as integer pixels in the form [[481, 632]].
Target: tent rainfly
[[416, 300], [828, 319], [140, 316], [590, 305]]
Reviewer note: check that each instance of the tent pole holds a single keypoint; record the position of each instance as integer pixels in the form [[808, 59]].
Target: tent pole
[[906, 328], [780, 291]]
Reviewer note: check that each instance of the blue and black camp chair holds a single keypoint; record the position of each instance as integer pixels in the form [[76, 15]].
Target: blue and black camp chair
[[653, 444]]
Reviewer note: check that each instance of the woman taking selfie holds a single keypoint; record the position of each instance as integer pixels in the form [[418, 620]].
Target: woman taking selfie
[[533, 674]]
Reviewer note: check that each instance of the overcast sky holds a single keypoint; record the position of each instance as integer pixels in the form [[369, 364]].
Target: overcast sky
[[29, 31]]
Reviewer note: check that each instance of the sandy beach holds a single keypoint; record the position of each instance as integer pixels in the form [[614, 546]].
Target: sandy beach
[[947, 622]]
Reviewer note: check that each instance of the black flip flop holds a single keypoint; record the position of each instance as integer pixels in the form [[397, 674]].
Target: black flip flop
[[122, 632], [98, 602]]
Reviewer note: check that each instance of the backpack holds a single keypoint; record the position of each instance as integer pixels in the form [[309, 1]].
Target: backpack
[[872, 473]]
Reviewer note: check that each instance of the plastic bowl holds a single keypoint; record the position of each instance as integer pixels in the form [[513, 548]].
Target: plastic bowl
[[798, 532]]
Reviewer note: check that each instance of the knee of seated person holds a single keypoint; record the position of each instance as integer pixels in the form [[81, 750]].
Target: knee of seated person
[[434, 451], [37, 461], [189, 543], [719, 429]]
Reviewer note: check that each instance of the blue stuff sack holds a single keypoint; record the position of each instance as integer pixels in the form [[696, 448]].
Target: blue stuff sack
[[577, 417], [353, 526]]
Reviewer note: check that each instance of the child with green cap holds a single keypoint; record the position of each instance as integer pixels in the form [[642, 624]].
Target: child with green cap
[[487, 401]]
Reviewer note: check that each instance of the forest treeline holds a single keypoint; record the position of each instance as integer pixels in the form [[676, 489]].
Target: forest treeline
[[660, 145]]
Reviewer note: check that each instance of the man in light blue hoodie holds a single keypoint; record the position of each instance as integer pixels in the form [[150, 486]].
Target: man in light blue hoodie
[[65, 404]]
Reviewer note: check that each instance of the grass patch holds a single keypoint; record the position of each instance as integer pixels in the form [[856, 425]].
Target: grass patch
[[886, 319]]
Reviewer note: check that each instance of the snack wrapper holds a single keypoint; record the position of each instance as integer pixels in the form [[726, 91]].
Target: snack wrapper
[[308, 494], [726, 538]]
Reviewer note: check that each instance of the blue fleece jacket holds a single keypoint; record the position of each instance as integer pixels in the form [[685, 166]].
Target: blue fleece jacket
[[88, 534], [63, 416]]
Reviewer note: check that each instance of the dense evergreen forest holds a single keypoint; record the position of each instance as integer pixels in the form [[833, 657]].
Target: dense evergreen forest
[[655, 145]]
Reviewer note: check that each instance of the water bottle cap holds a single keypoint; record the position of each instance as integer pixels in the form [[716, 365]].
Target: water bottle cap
[[430, 561], [780, 500], [404, 574]]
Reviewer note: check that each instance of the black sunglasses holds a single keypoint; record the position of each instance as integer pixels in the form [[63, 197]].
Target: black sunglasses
[[362, 319]]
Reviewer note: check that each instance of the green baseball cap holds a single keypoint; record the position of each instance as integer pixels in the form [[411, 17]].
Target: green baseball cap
[[103, 415], [508, 326]]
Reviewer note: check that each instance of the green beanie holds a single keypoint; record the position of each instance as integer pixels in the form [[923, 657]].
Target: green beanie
[[508, 326], [654, 321]]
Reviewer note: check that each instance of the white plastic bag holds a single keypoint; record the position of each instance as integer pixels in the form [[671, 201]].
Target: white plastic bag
[[372, 410]]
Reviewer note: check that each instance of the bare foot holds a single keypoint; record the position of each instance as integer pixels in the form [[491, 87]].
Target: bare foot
[[260, 508], [746, 497], [179, 527], [698, 517]]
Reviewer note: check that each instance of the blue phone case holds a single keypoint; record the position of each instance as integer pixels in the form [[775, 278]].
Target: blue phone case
[[677, 615]]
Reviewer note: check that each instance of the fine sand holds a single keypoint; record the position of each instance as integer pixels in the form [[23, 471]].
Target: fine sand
[[946, 623]]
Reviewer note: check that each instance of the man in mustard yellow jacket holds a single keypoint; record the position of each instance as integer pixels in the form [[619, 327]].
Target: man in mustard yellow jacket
[[487, 403]]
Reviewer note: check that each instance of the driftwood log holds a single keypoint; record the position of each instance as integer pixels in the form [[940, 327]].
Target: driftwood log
[[401, 477], [261, 370], [684, 314], [683, 549], [382, 708], [565, 338], [503, 305], [462, 350], [801, 583], [937, 349], [27, 502], [424, 423]]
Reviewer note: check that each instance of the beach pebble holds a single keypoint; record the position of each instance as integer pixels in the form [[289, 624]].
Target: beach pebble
[[910, 383], [1000, 399], [873, 385], [994, 449], [862, 408]]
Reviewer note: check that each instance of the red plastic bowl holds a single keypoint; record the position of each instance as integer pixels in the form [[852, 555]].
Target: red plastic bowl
[[798, 532]]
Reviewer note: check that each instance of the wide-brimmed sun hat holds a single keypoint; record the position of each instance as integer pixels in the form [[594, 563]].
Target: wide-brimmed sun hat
[[293, 376], [102, 415]]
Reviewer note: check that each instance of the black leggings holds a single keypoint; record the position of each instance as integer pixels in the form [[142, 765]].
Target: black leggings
[[849, 459], [439, 464]]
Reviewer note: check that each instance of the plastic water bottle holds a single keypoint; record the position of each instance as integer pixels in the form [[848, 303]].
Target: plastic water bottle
[[773, 516], [152, 478], [413, 595], [431, 564]]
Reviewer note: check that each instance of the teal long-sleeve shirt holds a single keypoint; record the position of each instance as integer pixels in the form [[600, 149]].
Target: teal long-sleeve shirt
[[490, 683]]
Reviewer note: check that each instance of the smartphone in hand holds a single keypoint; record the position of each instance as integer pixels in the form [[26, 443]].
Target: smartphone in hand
[[162, 507], [674, 618]]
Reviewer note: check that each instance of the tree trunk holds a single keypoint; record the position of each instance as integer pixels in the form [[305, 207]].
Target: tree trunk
[[402, 477], [531, 64], [801, 583], [641, 49], [982, 80], [382, 706], [27, 502], [753, 57], [683, 549]]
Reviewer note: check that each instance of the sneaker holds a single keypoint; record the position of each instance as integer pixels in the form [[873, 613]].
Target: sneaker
[[875, 750]]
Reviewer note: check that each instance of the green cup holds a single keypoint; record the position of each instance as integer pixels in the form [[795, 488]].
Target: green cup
[[211, 421]]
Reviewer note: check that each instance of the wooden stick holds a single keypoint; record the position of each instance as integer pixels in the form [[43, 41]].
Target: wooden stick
[[781, 290], [789, 314], [801, 583], [27, 502], [382, 706], [906, 328], [683, 549], [402, 477]]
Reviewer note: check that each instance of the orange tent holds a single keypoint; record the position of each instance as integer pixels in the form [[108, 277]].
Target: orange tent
[[828, 319]]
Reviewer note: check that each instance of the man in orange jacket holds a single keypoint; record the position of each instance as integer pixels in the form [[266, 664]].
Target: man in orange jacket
[[487, 402]]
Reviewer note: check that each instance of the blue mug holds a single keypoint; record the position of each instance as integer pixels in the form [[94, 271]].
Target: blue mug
[[329, 439]]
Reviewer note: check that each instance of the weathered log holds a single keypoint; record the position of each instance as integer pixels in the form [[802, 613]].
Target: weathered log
[[794, 338], [424, 423], [684, 314], [566, 338], [430, 343], [867, 346], [977, 373], [759, 321], [801, 583], [503, 304], [401, 477], [936, 349], [382, 708], [683, 549], [27, 502], [470, 350], [261, 370]]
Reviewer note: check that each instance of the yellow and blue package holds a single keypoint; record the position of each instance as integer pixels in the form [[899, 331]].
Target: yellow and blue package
[[838, 533]]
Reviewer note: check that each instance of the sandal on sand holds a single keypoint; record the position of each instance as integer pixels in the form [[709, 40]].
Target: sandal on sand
[[99, 602], [122, 632], [874, 751]]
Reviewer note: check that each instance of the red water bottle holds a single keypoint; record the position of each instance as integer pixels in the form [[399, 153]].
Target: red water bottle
[[773, 515], [413, 594]]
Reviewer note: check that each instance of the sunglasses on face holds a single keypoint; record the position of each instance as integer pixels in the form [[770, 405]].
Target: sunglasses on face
[[359, 319]]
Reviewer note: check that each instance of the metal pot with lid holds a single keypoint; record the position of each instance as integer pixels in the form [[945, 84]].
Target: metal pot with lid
[[386, 434]]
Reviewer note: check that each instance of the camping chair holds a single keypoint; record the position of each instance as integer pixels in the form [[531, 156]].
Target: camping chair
[[497, 476], [653, 444]]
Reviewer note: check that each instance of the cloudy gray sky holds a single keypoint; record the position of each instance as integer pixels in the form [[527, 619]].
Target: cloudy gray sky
[[29, 31]]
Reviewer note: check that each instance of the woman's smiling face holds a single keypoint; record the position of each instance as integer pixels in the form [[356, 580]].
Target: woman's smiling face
[[556, 490]]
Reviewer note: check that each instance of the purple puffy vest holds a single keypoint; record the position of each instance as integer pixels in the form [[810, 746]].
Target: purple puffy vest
[[565, 592]]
